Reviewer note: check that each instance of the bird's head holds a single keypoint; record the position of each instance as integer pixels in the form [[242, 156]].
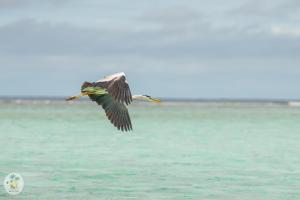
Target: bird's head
[[149, 98]]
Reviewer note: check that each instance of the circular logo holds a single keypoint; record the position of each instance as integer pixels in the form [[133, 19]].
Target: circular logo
[[13, 183]]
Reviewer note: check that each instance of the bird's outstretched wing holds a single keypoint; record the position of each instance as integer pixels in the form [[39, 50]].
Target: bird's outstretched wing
[[116, 111], [117, 86]]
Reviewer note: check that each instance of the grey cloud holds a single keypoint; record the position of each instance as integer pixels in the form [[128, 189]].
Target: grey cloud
[[205, 45], [29, 37], [260, 16], [4, 4], [267, 9], [16, 4], [172, 15], [181, 21]]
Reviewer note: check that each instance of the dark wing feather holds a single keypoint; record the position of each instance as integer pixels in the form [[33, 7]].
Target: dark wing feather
[[115, 111], [117, 86]]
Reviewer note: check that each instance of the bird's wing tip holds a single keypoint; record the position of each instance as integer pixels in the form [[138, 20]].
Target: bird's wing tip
[[121, 73]]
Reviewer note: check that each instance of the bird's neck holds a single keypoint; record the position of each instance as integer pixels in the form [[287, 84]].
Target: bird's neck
[[140, 97], [145, 98]]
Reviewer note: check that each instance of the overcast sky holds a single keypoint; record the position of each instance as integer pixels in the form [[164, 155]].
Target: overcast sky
[[167, 48]]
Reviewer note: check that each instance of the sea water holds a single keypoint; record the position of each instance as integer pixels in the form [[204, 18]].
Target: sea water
[[177, 150]]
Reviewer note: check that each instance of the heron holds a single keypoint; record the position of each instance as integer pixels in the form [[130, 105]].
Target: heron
[[113, 94]]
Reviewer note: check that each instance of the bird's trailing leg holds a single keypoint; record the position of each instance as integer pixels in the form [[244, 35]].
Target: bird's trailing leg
[[76, 96]]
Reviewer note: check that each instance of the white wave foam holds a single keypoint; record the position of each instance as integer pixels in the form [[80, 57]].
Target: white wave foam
[[294, 103]]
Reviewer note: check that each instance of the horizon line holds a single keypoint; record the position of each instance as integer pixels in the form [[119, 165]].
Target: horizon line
[[234, 99]]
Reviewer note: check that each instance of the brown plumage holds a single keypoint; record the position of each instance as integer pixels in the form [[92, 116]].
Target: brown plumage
[[115, 111], [114, 102], [117, 86]]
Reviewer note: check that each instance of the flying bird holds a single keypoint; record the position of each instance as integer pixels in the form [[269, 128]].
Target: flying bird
[[113, 94]]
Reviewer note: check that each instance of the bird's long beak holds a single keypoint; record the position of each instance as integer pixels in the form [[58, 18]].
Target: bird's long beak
[[155, 100]]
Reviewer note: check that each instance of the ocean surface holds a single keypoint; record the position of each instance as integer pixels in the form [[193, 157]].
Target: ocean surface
[[177, 150]]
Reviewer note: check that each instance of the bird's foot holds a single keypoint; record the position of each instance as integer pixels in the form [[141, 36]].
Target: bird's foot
[[71, 98]]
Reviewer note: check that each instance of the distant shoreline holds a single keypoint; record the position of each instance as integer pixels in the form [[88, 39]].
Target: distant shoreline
[[204, 100]]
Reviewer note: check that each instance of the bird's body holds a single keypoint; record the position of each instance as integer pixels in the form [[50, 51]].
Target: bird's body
[[113, 94]]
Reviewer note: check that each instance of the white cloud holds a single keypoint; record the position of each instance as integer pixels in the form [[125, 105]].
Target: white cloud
[[285, 31]]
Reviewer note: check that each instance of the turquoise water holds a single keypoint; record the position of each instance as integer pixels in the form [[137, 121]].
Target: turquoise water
[[181, 150]]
